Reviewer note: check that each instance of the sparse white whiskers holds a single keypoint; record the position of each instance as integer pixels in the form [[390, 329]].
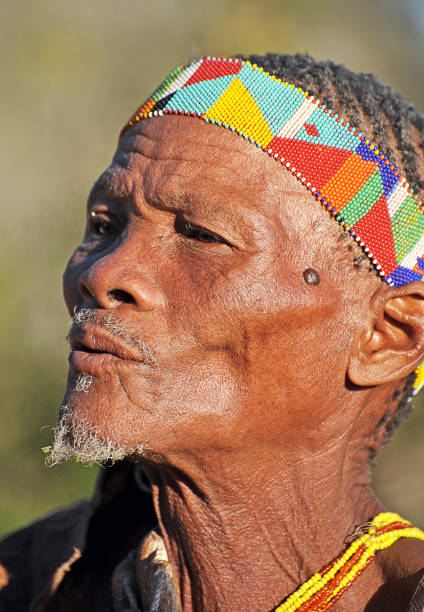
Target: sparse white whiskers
[[83, 315], [84, 382], [80, 441]]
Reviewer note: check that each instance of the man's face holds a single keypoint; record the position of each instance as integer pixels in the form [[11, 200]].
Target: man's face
[[192, 270]]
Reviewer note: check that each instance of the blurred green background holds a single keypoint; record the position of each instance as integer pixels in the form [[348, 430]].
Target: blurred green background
[[72, 73]]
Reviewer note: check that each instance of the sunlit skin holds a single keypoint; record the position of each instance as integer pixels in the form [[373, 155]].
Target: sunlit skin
[[262, 399]]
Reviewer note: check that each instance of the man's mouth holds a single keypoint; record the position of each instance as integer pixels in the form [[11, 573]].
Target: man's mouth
[[95, 349]]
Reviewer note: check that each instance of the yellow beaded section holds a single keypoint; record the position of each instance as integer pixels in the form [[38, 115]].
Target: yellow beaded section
[[372, 541]]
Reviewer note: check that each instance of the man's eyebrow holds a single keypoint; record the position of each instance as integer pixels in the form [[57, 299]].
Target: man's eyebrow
[[202, 205], [208, 208], [189, 202], [111, 186]]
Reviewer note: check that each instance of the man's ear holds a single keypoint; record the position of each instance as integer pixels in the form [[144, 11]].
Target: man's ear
[[392, 344]]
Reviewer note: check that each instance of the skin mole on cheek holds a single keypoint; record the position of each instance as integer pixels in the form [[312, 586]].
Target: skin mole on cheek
[[311, 276]]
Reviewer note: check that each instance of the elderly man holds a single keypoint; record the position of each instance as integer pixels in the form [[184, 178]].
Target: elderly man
[[248, 329]]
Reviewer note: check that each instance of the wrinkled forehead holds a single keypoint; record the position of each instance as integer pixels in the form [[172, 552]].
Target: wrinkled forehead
[[176, 157], [181, 143]]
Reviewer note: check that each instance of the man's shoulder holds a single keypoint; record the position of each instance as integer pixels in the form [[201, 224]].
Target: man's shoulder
[[29, 556]]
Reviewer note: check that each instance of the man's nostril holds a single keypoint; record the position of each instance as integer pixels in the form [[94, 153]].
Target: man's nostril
[[118, 295]]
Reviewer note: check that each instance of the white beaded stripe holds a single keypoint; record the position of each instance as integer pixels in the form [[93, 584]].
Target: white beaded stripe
[[410, 259], [296, 121], [182, 78], [394, 201]]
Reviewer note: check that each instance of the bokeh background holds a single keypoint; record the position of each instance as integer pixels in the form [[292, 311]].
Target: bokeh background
[[71, 74]]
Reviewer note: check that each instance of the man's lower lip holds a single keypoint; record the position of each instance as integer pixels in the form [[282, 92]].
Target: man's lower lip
[[96, 363]]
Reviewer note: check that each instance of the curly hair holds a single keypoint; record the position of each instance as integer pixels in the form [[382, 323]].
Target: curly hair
[[376, 110]]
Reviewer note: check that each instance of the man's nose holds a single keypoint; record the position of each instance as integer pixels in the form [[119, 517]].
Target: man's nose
[[115, 279]]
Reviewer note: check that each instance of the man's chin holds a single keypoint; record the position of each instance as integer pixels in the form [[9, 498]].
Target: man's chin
[[78, 440]]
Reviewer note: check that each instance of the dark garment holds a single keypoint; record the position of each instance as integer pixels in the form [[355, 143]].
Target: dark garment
[[66, 561], [84, 558]]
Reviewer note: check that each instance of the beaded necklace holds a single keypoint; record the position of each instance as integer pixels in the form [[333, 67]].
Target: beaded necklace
[[324, 588], [346, 172]]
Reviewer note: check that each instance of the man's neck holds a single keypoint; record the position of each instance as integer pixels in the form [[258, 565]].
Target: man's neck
[[257, 524]]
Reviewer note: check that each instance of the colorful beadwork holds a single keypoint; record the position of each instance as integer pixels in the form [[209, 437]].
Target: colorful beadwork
[[343, 169], [326, 587]]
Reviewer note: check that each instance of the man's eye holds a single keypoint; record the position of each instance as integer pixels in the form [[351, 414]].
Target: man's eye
[[100, 224], [200, 233]]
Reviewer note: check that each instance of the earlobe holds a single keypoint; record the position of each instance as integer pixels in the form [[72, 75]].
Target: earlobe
[[392, 344]]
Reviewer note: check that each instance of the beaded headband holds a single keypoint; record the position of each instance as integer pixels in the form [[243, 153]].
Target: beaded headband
[[342, 169]]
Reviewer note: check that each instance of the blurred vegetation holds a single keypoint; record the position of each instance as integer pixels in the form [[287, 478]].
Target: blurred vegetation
[[72, 73]]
